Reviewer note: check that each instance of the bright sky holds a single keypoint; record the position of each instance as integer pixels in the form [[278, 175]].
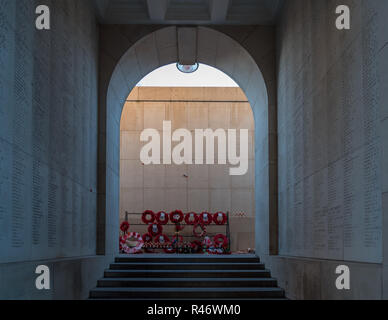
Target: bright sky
[[170, 76]]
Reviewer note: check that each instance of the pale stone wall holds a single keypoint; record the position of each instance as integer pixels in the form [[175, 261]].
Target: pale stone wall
[[195, 188], [332, 111], [48, 148], [329, 139]]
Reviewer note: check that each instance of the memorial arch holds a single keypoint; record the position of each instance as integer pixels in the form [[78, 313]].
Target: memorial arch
[[319, 98], [203, 45]]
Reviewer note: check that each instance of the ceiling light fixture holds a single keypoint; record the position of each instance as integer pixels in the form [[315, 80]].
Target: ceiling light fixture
[[187, 68]]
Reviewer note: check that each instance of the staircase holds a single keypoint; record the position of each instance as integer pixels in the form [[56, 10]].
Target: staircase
[[185, 277]]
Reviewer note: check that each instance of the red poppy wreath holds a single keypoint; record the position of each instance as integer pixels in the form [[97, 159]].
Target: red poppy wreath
[[124, 226], [220, 240], [219, 218], [205, 218], [162, 239], [199, 234], [148, 217], [147, 237], [133, 242], [176, 216], [162, 217], [155, 229], [191, 218]]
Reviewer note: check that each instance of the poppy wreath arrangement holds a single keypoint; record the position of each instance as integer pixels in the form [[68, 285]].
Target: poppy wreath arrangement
[[219, 218], [148, 217], [131, 243], [162, 217], [156, 239]]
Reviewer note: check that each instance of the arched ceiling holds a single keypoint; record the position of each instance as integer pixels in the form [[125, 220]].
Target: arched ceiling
[[205, 12]]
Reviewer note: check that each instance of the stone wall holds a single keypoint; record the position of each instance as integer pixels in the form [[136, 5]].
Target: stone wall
[[332, 125], [193, 187], [48, 143]]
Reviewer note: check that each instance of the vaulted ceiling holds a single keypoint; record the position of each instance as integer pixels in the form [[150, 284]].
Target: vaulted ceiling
[[238, 12]]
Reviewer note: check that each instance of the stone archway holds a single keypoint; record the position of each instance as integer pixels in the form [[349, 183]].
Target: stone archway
[[160, 47]]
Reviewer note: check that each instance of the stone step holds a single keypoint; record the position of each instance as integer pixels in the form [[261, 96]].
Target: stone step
[[187, 273], [185, 277], [189, 293], [187, 282], [187, 258], [186, 266]]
